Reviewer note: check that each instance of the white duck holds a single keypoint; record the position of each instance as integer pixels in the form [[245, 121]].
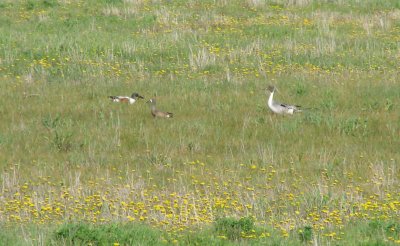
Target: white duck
[[280, 108]]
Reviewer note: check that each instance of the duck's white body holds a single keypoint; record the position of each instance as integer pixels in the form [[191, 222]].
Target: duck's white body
[[125, 99]]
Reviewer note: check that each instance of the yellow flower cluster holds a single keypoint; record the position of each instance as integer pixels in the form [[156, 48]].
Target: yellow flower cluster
[[195, 196]]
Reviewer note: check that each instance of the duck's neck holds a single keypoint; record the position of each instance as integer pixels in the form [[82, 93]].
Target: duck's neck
[[271, 98]]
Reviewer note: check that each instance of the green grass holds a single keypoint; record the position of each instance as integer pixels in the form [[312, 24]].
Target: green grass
[[225, 231], [68, 153]]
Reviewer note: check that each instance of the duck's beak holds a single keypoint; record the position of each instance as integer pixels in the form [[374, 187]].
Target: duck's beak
[[139, 96]]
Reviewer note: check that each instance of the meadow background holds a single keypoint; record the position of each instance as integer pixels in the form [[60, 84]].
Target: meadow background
[[78, 169]]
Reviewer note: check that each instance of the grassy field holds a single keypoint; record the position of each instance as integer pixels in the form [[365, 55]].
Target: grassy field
[[77, 169]]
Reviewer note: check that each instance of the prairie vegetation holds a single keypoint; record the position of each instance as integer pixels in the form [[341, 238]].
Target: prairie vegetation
[[79, 169]]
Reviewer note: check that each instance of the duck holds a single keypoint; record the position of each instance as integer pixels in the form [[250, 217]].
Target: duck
[[157, 113], [126, 99], [280, 108]]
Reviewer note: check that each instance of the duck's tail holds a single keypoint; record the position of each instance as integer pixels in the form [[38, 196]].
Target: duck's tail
[[308, 109]]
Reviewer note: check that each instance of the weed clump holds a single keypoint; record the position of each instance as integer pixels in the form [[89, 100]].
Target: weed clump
[[233, 228], [110, 234]]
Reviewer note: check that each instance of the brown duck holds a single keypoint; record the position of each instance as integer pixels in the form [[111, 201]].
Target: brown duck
[[157, 113]]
